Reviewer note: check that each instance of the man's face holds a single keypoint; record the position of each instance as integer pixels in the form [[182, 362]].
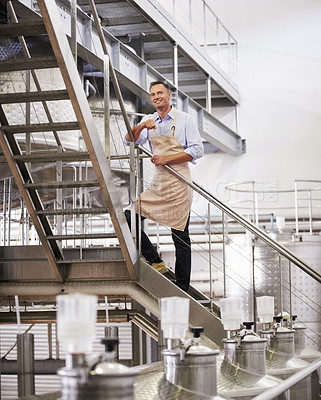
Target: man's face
[[160, 96]]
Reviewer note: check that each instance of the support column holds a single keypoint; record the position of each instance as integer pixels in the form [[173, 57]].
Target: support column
[[111, 331], [175, 74], [209, 94], [138, 341], [107, 107], [25, 356]]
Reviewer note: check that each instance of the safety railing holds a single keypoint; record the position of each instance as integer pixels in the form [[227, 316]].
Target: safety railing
[[288, 383], [198, 21], [296, 210], [255, 266]]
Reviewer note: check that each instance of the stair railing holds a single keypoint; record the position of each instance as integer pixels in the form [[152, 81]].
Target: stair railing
[[196, 187]]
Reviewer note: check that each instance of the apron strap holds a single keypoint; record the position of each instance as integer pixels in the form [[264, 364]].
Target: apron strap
[[173, 128]]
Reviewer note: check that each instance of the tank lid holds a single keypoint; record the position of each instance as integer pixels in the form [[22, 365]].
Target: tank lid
[[253, 338], [196, 350], [282, 329], [112, 369]]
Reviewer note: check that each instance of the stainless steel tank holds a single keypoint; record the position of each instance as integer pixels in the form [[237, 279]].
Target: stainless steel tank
[[300, 349], [282, 363], [100, 379], [242, 368], [152, 384], [188, 372], [195, 372]]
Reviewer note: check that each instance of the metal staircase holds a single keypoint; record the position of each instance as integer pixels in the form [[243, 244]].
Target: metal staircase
[[35, 272], [100, 271], [18, 160]]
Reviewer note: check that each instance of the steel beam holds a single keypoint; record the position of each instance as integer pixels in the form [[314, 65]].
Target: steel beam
[[39, 291]]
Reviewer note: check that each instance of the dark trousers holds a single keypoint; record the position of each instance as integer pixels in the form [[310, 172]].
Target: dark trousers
[[183, 253]]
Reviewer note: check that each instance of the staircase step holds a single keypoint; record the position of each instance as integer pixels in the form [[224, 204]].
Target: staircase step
[[24, 64], [22, 29], [87, 261], [52, 157], [29, 97], [49, 127], [74, 211], [83, 236], [61, 185]]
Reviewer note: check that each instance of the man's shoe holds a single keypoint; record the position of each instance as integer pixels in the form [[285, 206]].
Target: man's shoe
[[160, 267]]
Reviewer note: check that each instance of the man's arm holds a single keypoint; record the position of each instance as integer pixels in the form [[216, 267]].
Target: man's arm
[[149, 124]]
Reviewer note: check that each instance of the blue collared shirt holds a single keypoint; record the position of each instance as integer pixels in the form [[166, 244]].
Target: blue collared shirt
[[187, 132]]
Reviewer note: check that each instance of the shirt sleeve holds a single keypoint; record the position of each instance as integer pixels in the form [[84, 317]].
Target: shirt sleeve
[[194, 145], [143, 137]]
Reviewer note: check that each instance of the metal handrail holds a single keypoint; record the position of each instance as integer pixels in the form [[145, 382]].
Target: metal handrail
[[204, 193], [282, 387], [230, 187], [244, 222]]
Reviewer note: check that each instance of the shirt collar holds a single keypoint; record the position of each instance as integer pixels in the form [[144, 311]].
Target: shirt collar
[[171, 114]]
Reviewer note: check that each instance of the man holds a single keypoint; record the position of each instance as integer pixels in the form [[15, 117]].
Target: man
[[175, 141]]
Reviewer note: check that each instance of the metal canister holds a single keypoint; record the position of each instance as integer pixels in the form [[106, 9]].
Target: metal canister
[[282, 363], [196, 371], [242, 369], [101, 379]]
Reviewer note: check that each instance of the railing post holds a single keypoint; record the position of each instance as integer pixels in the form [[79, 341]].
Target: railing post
[[310, 213], [204, 23], [4, 211], [281, 287], [107, 106], [218, 42], [253, 200], [59, 195], [210, 253], [22, 221], [290, 288], [175, 65], [253, 283], [296, 208], [209, 94], [138, 191], [9, 210], [224, 255], [132, 190], [190, 14], [73, 28]]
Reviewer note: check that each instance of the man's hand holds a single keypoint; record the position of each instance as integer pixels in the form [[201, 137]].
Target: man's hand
[[159, 160], [171, 159], [149, 124]]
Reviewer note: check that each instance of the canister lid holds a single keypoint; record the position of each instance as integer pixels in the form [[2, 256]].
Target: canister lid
[[196, 350], [282, 329], [112, 369], [253, 339]]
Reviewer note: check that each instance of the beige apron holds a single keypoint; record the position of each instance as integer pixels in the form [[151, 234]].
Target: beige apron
[[167, 200]]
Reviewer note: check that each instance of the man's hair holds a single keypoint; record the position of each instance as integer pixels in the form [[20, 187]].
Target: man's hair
[[159, 83]]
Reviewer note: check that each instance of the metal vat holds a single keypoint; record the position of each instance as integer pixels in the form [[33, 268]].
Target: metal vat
[[281, 362], [242, 368]]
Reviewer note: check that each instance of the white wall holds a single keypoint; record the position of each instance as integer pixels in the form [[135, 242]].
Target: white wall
[[280, 88]]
